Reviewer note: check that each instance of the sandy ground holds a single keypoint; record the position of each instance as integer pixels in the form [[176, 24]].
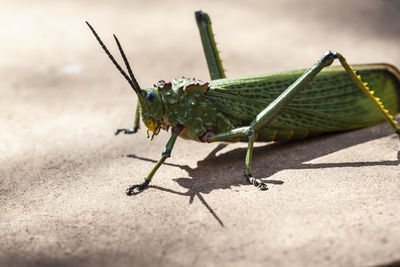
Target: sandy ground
[[332, 200]]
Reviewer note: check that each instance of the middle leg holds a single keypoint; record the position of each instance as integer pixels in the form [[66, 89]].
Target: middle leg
[[251, 134], [270, 112], [247, 170]]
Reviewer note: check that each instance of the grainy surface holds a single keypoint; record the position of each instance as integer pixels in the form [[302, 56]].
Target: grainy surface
[[332, 200]]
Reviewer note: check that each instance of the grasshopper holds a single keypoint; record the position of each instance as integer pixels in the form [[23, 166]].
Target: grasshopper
[[282, 106]]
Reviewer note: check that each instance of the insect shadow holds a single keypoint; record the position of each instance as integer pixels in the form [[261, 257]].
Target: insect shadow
[[224, 171]]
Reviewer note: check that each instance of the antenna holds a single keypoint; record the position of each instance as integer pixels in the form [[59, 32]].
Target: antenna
[[133, 83]]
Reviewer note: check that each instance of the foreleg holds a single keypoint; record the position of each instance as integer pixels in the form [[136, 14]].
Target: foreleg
[[164, 155], [136, 123]]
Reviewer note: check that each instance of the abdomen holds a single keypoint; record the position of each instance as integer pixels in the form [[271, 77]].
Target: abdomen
[[331, 102]]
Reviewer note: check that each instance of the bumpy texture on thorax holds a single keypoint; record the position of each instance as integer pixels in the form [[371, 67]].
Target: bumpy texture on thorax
[[184, 104]]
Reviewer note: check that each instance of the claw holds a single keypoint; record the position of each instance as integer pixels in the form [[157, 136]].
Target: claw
[[140, 187], [256, 182], [126, 130], [129, 191], [262, 186]]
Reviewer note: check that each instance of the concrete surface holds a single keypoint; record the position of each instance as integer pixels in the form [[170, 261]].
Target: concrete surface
[[332, 200]]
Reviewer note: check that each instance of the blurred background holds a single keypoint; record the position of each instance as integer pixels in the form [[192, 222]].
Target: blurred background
[[63, 173]]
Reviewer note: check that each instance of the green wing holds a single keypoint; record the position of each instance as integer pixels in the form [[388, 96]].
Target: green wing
[[331, 102]]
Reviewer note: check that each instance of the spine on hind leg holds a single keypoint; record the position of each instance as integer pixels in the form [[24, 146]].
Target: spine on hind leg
[[376, 100]]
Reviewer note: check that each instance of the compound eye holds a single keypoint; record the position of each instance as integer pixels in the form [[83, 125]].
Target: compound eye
[[150, 96]]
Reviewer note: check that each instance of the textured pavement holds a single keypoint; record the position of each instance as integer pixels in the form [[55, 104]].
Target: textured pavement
[[332, 201]]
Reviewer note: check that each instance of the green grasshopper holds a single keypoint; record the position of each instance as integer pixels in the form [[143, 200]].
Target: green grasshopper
[[282, 106]]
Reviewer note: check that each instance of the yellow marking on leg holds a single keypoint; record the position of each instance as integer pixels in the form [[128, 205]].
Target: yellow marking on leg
[[368, 92]]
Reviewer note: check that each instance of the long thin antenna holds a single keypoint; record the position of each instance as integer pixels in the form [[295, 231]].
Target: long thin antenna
[[127, 63], [135, 87]]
